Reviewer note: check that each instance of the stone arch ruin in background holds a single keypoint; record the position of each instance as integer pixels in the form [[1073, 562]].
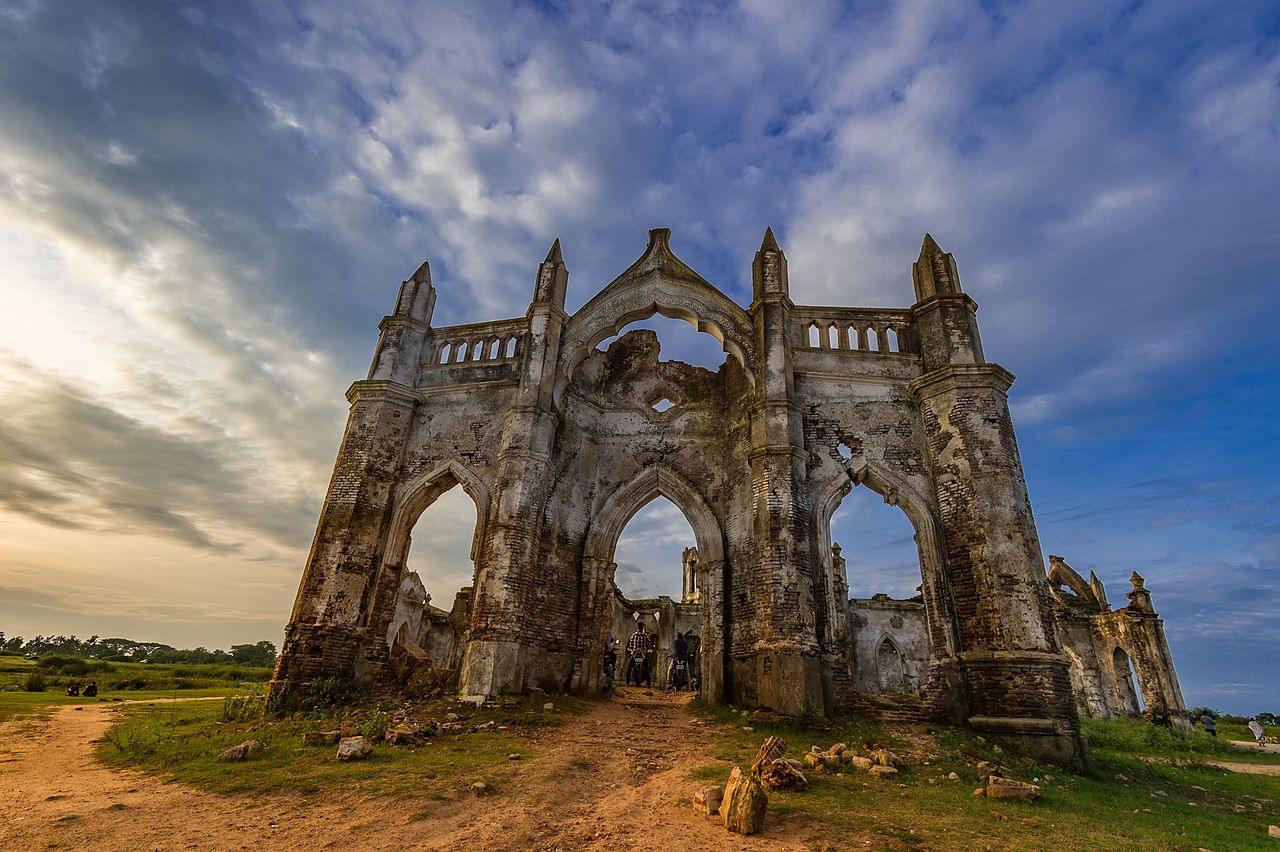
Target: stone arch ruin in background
[[560, 443]]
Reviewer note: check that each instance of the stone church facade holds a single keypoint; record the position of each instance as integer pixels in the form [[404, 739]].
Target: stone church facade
[[559, 444]]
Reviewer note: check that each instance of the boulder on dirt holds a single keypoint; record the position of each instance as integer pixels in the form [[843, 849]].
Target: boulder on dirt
[[707, 801], [1273, 831], [783, 774], [320, 738], [884, 757], [830, 760], [402, 735], [772, 749], [744, 803], [1005, 788], [858, 762], [883, 771], [238, 752], [354, 748]]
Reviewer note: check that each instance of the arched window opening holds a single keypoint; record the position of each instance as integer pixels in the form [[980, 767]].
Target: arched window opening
[[460, 352], [877, 604], [873, 340], [852, 332], [891, 341], [833, 337], [678, 340], [655, 584], [1130, 698], [891, 668], [444, 354], [493, 348], [477, 350], [436, 585], [511, 347], [813, 335]]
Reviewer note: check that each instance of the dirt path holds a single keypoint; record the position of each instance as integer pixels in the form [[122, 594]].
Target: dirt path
[[611, 779]]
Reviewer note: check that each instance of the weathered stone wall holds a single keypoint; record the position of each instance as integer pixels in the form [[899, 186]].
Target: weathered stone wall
[[559, 445]]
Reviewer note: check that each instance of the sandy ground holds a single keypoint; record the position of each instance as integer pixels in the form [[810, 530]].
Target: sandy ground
[[1250, 768], [609, 780]]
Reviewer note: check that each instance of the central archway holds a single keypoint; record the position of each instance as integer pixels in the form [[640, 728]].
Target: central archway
[[598, 569]]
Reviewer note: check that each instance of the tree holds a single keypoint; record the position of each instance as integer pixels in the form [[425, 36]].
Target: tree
[[258, 654]]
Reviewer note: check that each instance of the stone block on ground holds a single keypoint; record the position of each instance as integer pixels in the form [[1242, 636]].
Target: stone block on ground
[[884, 757], [744, 803], [882, 771], [858, 762], [354, 748], [1005, 788], [707, 800], [772, 749], [783, 774], [238, 752], [320, 738]]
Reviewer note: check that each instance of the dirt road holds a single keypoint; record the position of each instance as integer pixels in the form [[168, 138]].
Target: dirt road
[[610, 779]]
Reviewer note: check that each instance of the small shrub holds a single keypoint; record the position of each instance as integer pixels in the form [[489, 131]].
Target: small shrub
[[375, 727], [129, 683], [241, 708], [64, 665], [327, 693], [35, 682]]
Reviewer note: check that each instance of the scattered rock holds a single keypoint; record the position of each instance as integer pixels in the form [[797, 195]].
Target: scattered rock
[[857, 761], [1273, 831], [783, 774], [1030, 823], [884, 757], [238, 752], [480, 788], [451, 717], [707, 801], [744, 803], [548, 707], [883, 771], [348, 728], [980, 792], [320, 738], [951, 776], [513, 756], [402, 735], [354, 748], [772, 749], [986, 767], [1004, 788]]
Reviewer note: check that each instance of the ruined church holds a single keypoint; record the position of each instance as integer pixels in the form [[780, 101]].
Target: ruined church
[[559, 443]]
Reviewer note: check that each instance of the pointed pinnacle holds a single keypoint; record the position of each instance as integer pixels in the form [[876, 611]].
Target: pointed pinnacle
[[929, 246], [554, 256], [423, 275], [769, 243]]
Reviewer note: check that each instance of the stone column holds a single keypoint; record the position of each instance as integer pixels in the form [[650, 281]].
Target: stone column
[[784, 662], [329, 631], [494, 659], [1017, 676]]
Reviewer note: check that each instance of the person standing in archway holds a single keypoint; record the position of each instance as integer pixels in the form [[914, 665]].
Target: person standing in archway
[[640, 647]]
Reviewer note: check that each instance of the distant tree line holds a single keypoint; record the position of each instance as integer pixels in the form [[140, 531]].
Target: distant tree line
[[1263, 718], [129, 651]]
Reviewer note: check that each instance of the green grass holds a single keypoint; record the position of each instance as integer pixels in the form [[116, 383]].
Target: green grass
[[122, 681], [181, 741], [1094, 811]]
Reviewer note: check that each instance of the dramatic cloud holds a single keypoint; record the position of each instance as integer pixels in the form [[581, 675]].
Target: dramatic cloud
[[205, 209]]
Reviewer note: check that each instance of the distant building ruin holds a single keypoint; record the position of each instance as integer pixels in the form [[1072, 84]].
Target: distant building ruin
[[559, 444]]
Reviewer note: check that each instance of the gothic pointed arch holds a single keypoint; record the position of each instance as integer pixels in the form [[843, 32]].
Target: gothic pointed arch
[[657, 283], [622, 505]]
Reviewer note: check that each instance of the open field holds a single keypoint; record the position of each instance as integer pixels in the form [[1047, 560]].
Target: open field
[[116, 681], [621, 773]]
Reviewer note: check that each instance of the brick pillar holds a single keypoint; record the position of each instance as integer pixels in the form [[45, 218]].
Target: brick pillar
[[784, 662], [1016, 675], [329, 631], [495, 655]]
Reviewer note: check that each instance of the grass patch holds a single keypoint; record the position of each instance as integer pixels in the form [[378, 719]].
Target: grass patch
[[181, 742], [1149, 788]]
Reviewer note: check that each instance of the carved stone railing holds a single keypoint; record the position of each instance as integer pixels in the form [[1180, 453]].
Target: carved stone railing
[[499, 340], [884, 330]]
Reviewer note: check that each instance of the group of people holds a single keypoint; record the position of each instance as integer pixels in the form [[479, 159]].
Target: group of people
[[641, 661], [1210, 726]]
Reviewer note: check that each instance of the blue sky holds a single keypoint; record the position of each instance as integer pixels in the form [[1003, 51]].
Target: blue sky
[[205, 208]]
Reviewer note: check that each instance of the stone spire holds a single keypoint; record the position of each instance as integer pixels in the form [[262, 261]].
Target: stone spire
[[769, 270], [935, 271]]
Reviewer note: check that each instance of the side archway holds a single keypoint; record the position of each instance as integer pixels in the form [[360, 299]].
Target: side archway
[[411, 499]]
